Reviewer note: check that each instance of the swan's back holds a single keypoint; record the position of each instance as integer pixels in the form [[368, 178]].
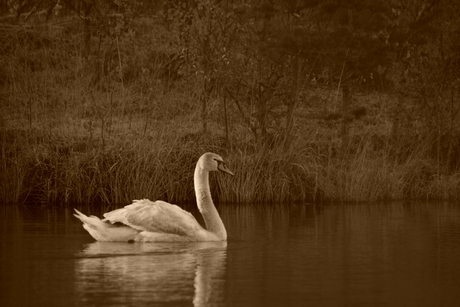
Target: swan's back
[[157, 216]]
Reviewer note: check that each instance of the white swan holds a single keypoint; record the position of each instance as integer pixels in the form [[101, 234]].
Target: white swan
[[159, 221]]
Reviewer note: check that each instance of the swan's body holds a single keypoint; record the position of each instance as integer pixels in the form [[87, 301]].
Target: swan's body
[[159, 221]]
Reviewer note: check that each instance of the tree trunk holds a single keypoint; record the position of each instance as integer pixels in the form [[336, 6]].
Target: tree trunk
[[204, 112], [345, 133], [208, 87], [291, 106], [394, 138], [227, 136], [86, 8]]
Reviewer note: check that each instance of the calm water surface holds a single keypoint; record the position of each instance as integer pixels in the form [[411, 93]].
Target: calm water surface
[[292, 255]]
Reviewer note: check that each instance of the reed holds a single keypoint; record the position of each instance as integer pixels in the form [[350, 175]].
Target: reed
[[71, 135], [36, 170], [368, 176], [12, 177]]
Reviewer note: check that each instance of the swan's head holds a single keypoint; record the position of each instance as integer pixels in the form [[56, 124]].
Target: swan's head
[[213, 162]]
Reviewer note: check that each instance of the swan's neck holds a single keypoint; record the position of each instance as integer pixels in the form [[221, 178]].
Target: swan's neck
[[205, 204]]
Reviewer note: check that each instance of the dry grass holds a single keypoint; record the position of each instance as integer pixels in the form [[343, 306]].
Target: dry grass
[[160, 165], [71, 135]]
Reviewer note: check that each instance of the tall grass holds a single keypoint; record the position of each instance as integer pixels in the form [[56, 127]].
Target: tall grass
[[71, 135], [368, 176], [269, 177], [37, 170]]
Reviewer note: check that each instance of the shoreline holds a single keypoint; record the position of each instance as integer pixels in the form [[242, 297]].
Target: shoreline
[[83, 171]]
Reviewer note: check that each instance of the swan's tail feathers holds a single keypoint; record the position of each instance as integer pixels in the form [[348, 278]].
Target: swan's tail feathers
[[105, 231], [93, 225], [92, 221]]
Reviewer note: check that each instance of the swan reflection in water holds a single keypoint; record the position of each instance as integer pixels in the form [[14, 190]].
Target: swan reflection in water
[[110, 273]]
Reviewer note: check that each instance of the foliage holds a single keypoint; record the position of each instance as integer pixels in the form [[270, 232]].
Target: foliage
[[106, 100]]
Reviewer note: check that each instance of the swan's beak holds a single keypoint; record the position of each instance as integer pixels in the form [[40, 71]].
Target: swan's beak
[[222, 167]]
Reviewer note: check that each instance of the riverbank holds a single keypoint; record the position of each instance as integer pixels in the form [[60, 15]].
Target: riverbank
[[63, 166], [112, 127]]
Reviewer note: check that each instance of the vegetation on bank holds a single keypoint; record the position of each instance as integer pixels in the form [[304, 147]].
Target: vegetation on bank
[[129, 119], [62, 168]]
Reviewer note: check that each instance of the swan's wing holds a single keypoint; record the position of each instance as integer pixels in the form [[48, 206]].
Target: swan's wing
[[158, 216]]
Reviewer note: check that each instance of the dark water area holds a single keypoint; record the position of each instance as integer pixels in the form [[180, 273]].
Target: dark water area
[[391, 254]]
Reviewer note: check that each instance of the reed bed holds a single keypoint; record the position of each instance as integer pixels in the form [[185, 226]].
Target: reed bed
[[69, 135], [36, 170]]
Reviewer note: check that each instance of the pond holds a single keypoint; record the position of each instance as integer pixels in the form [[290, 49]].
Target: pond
[[393, 254]]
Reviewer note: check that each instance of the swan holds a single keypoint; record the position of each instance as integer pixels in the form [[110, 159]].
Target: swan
[[159, 221]]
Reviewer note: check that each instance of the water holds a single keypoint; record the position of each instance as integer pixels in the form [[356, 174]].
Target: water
[[292, 255]]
